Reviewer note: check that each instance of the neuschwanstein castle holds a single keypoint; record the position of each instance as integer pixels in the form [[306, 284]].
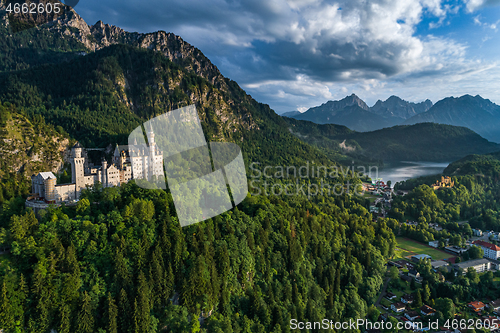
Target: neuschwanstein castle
[[139, 163]]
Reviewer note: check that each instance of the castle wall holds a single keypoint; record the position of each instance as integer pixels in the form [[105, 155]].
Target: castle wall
[[113, 175], [158, 165], [65, 192], [90, 180], [50, 192], [38, 186]]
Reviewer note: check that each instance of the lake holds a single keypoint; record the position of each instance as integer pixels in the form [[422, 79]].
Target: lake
[[399, 171]]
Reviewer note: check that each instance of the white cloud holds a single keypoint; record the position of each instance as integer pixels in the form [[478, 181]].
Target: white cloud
[[473, 5]]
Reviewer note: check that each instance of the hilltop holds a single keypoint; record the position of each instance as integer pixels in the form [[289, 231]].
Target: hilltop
[[419, 142]]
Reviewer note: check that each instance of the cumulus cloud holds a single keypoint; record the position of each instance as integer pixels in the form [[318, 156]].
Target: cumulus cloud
[[473, 5], [296, 50]]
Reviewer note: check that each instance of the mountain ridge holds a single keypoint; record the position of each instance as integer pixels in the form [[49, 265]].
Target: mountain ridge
[[397, 107], [352, 112], [474, 112], [418, 142], [98, 96]]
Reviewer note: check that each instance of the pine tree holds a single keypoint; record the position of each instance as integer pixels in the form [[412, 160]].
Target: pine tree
[[122, 274], [64, 326], [426, 294], [136, 318], [418, 299], [142, 310], [123, 311], [157, 274], [22, 295], [6, 316], [337, 280], [169, 281], [111, 315], [85, 320]]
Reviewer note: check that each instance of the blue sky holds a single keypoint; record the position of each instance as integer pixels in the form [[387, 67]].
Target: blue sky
[[295, 54]]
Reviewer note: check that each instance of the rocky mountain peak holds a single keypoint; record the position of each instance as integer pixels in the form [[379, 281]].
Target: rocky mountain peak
[[394, 106], [353, 99], [101, 35]]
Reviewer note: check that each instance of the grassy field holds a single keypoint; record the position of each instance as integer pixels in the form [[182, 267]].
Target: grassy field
[[401, 254], [409, 247], [370, 197]]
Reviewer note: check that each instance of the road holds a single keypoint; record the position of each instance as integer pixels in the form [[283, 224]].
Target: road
[[382, 293]]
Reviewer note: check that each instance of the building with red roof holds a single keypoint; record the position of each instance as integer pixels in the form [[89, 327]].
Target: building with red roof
[[491, 251], [476, 306]]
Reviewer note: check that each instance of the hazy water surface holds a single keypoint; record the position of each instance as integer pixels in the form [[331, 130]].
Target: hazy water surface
[[398, 171]]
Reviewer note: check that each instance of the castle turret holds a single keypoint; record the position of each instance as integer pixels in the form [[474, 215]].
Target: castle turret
[[104, 173], [123, 159], [50, 184], [77, 167]]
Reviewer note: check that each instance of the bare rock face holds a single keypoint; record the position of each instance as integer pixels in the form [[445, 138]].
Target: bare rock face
[[26, 147]]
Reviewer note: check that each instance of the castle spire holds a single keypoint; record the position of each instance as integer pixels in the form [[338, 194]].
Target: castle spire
[[151, 136]]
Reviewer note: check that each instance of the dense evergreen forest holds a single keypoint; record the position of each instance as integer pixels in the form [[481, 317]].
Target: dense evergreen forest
[[123, 264]]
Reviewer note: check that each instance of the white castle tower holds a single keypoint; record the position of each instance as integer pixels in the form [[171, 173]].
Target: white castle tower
[[77, 167]]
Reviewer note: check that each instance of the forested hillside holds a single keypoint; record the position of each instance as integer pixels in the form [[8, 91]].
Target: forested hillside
[[475, 196], [118, 261], [117, 266], [100, 98], [480, 165], [27, 146], [419, 142]]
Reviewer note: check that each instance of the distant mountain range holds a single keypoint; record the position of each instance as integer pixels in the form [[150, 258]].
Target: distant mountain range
[[290, 114], [476, 113], [353, 112], [398, 108]]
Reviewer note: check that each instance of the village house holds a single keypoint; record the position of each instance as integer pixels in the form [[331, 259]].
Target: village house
[[480, 265], [427, 310], [438, 263], [414, 274], [406, 278], [477, 232], [411, 315], [456, 250], [419, 257], [490, 321], [476, 306], [398, 307], [407, 298], [491, 251], [405, 264], [383, 316], [390, 296], [494, 305], [395, 264], [434, 243]]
